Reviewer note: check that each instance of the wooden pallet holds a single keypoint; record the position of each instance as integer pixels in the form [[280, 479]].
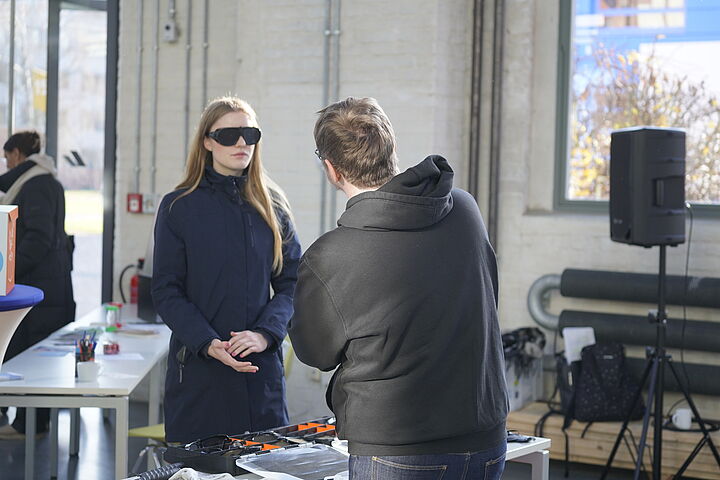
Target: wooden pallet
[[595, 447]]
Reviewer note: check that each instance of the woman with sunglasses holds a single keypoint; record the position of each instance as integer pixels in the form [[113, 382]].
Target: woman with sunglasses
[[223, 239]]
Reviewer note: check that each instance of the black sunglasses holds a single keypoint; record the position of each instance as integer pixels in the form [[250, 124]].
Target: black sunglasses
[[230, 136]]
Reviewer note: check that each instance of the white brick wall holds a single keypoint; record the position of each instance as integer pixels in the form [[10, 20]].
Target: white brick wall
[[414, 56], [533, 239]]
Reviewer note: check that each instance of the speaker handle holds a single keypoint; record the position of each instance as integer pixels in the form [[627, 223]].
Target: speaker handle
[[659, 200]]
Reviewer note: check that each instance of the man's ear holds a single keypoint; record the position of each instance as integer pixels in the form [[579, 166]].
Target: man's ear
[[333, 175]]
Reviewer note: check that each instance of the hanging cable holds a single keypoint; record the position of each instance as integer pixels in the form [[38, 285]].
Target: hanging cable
[[138, 98], [685, 290]]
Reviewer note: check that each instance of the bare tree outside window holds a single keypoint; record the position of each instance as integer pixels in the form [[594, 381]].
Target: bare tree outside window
[[629, 88]]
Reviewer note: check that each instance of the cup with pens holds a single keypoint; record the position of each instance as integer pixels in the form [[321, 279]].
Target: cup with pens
[[85, 349]]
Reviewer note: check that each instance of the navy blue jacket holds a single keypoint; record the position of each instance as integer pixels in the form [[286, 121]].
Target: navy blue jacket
[[212, 274]]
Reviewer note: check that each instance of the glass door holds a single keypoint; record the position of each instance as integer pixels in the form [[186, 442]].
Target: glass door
[[81, 133], [32, 41]]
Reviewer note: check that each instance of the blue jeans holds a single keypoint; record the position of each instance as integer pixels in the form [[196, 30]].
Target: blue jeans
[[485, 465]]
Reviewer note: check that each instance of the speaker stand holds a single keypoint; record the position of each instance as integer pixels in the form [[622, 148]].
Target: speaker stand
[[657, 358]]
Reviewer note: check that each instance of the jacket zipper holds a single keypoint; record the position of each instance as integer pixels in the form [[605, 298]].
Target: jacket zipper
[[247, 215], [250, 227], [237, 190]]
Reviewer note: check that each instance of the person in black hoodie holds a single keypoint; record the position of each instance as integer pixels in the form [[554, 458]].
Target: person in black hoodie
[[402, 299], [43, 251]]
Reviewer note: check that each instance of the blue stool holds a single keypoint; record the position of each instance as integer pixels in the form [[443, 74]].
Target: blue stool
[[13, 308]]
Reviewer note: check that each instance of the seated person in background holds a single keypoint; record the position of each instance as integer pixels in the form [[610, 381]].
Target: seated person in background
[[43, 251], [402, 299]]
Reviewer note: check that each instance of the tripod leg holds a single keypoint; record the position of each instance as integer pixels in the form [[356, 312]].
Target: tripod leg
[[634, 450], [690, 459], [646, 417], [701, 422], [627, 420]]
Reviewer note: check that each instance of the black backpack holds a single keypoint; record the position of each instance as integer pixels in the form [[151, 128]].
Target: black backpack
[[594, 389], [604, 390]]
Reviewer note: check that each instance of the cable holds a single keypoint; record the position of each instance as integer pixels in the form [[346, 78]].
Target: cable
[[540, 424], [685, 290], [556, 388], [162, 473], [120, 283], [669, 410]]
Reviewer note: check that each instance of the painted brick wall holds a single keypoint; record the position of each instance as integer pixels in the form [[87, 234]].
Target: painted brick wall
[[534, 240], [412, 55], [271, 53]]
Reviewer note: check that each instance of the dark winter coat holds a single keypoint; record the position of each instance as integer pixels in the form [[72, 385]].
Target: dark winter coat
[[212, 274], [43, 253], [403, 297]]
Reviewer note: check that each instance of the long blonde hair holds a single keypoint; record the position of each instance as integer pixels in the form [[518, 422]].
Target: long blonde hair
[[260, 191]]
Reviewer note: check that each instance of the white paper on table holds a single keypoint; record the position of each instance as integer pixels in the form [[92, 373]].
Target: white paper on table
[[577, 338], [138, 329], [120, 356], [8, 376], [47, 351]]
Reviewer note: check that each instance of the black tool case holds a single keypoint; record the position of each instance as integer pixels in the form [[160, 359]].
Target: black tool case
[[218, 453]]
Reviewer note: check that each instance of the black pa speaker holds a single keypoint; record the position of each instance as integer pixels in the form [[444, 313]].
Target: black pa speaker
[[647, 186]]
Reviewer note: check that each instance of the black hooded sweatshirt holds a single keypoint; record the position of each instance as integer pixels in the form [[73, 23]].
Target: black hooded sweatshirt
[[402, 296]]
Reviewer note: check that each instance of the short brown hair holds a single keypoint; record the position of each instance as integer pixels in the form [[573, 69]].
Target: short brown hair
[[356, 136]]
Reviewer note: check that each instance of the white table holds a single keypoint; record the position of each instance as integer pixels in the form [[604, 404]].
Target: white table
[[49, 382], [534, 452]]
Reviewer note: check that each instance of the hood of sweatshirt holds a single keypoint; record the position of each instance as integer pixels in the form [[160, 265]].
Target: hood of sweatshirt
[[417, 198]]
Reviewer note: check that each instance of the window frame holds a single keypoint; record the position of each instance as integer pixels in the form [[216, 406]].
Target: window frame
[[566, 21]]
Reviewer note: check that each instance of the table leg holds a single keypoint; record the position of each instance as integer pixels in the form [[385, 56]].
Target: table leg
[[53, 442], [539, 464], [121, 437], [30, 429], [154, 400], [74, 432]]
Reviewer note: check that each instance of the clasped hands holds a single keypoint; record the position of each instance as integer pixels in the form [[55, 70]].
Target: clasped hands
[[240, 344]]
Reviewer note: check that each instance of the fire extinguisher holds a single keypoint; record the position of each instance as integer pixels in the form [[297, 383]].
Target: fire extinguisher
[[135, 281]]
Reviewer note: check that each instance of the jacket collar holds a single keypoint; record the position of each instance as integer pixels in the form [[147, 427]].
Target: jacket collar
[[229, 184], [11, 176]]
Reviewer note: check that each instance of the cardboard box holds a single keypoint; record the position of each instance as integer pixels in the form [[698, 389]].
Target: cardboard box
[[8, 219], [524, 387]]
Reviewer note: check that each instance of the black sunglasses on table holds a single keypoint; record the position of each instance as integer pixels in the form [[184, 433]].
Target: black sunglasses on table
[[229, 136]]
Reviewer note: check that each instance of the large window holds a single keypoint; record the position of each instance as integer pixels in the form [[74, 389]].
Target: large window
[[80, 128], [640, 62], [29, 66]]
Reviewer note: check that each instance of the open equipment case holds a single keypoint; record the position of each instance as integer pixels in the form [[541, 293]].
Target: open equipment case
[[220, 453]]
